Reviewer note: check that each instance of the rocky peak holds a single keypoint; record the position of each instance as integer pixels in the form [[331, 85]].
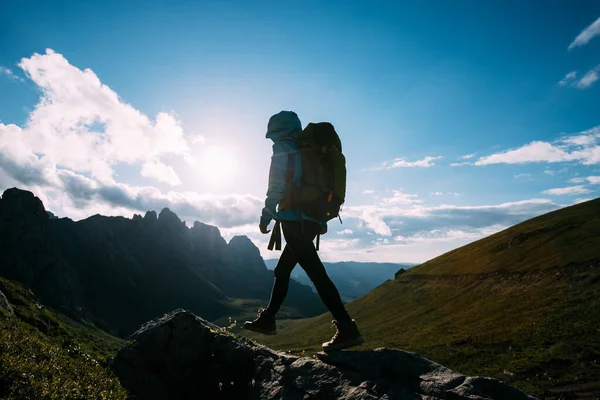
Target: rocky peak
[[205, 228], [181, 356], [245, 254], [207, 235], [150, 216], [17, 204], [167, 216], [243, 243]]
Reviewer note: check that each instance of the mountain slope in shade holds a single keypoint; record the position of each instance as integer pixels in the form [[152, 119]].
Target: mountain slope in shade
[[353, 279], [121, 272], [46, 355], [521, 305]]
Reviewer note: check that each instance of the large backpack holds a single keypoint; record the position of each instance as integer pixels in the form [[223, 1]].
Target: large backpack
[[323, 188]]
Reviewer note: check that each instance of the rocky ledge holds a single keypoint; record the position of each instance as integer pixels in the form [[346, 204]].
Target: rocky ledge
[[181, 356]]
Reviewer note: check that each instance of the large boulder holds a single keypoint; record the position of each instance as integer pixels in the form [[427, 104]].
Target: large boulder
[[181, 356]]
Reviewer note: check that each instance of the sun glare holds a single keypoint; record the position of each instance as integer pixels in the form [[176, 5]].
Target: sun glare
[[217, 163]]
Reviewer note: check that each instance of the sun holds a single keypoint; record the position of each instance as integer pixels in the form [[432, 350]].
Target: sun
[[217, 163]]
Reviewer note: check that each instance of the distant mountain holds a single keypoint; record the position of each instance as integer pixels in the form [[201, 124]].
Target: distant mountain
[[522, 305], [121, 272], [353, 279]]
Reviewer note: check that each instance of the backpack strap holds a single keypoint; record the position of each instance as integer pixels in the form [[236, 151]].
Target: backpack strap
[[275, 240], [318, 241]]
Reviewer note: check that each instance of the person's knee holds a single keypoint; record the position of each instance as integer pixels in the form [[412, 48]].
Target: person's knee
[[282, 273], [319, 277]]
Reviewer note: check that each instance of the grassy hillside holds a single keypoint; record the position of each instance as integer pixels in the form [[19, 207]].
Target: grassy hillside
[[45, 355], [521, 305]]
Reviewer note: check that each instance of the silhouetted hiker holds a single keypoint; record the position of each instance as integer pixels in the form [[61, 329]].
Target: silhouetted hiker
[[307, 184]]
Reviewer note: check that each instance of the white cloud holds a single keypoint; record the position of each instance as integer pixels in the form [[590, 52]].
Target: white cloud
[[586, 35], [399, 197], [521, 176], [79, 130], [589, 155], [416, 233], [374, 220], [588, 79], [402, 163], [388, 219], [468, 156], [460, 164], [451, 194], [594, 180], [161, 172], [368, 191], [585, 138], [71, 194], [78, 112], [569, 79], [571, 190], [8, 73], [553, 172], [532, 152], [345, 232], [583, 148], [444, 235]]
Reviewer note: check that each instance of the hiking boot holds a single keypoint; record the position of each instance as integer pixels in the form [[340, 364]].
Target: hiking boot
[[265, 323], [347, 335]]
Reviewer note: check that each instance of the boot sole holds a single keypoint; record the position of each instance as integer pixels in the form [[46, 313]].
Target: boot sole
[[264, 332], [344, 345]]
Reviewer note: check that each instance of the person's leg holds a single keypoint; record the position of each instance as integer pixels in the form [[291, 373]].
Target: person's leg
[[265, 322], [282, 272], [301, 244]]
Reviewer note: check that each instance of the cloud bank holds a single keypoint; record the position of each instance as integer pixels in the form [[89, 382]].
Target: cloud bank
[[80, 130]]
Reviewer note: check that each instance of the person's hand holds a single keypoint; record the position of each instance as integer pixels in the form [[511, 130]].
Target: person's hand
[[263, 229], [324, 229]]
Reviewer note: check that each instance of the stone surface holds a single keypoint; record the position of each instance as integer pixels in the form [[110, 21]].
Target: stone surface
[[181, 356]]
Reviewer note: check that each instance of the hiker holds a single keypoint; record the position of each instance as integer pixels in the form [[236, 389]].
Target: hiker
[[284, 205]]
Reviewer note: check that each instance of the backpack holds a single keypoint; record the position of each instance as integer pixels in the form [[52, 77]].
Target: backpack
[[323, 188]]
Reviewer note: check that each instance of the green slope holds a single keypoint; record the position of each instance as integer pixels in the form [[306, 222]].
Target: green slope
[[521, 305], [45, 355]]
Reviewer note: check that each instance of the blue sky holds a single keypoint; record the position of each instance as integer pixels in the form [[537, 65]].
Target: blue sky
[[121, 107]]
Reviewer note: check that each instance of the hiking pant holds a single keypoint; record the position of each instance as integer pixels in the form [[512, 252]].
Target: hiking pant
[[299, 248]]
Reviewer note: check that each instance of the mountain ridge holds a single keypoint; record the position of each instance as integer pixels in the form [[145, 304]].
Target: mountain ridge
[[125, 271]]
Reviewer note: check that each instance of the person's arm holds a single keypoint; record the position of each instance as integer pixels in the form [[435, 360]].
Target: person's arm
[[277, 183]]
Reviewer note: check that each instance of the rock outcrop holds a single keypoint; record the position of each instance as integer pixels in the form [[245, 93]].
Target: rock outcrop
[[181, 356]]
